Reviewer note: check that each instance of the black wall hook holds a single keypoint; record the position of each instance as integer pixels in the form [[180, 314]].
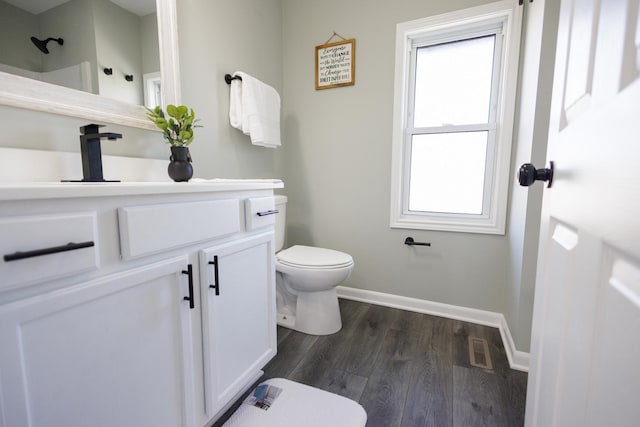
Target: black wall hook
[[128, 77], [108, 71]]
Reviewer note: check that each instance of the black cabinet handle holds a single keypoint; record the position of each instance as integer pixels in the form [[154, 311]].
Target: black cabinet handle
[[189, 272], [216, 283], [265, 213], [47, 251]]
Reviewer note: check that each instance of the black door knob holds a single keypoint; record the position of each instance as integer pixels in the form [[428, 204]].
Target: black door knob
[[528, 174]]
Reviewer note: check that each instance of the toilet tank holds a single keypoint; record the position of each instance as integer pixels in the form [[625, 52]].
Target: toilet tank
[[281, 206]]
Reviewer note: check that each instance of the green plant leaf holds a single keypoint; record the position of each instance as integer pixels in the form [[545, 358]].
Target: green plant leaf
[[177, 125], [185, 134], [172, 110], [161, 123], [182, 111]]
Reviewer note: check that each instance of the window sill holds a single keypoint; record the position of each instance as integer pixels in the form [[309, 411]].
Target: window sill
[[478, 226]]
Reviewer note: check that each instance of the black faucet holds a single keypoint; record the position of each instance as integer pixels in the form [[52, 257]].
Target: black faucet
[[92, 153]]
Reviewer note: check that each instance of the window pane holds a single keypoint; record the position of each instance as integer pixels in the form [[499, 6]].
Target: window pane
[[453, 82], [447, 172]]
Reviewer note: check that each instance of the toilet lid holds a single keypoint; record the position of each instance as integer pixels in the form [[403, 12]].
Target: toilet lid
[[309, 256]]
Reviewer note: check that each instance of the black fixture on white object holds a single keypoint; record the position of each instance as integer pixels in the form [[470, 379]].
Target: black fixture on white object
[[42, 44], [189, 272], [528, 174], [216, 283], [47, 251], [128, 77], [108, 71], [265, 213], [92, 153], [228, 78], [410, 242]]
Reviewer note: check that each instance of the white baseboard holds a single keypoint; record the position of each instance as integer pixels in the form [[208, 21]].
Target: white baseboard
[[518, 360]]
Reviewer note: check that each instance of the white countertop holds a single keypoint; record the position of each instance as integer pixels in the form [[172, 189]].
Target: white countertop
[[54, 190]]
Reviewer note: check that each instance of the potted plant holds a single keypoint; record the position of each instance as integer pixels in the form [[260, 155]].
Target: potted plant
[[177, 126]]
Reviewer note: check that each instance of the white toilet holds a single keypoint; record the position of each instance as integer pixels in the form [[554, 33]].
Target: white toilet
[[306, 280]]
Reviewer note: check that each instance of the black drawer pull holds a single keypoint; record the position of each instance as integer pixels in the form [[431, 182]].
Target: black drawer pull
[[47, 251], [265, 213], [189, 272], [216, 283]]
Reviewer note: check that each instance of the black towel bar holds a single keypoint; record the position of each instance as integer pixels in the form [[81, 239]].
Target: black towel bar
[[229, 77], [410, 242]]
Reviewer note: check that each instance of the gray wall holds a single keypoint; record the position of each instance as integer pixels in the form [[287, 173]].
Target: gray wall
[[73, 21], [338, 161], [218, 38], [16, 29], [532, 127], [118, 46], [43, 131], [149, 38]]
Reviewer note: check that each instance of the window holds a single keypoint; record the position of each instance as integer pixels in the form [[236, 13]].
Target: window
[[152, 90], [453, 119]]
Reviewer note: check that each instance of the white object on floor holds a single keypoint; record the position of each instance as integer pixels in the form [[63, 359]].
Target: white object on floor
[[300, 405]]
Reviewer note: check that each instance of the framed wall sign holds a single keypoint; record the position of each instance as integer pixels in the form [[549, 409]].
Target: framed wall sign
[[335, 64]]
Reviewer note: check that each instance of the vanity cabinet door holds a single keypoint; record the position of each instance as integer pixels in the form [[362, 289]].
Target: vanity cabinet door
[[238, 315], [115, 351]]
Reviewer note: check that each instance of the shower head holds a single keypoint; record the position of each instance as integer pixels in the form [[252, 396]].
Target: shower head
[[42, 44]]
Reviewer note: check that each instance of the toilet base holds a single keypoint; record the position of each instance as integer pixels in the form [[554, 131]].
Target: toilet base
[[316, 313], [286, 320]]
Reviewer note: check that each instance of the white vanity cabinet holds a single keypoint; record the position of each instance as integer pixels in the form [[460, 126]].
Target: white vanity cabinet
[[238, 315], [107, 352], [129, 331]]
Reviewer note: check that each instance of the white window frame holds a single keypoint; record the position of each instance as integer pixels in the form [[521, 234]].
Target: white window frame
[[152, 89], [458, 25]]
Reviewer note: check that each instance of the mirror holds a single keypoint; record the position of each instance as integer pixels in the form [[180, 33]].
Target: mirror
[[100, 99]]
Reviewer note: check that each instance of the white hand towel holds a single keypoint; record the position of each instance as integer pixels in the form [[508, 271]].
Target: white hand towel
[[235, 104], [254, 108]]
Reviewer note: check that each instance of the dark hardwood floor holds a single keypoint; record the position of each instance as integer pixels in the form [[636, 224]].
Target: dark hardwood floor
[[406, 369]]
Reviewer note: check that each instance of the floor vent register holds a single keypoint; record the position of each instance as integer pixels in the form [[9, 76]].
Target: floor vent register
[[479, 353]]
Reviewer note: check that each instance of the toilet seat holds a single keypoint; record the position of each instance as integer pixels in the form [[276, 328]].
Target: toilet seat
[[313, 258]]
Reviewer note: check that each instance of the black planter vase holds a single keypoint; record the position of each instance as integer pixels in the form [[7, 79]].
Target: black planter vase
[[180, 169]]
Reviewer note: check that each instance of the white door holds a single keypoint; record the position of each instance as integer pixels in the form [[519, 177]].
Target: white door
[[238, 316], [585, 348], [114, 351]]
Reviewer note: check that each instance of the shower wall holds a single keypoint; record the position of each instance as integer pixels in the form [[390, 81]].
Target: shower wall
[[74, 77]]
